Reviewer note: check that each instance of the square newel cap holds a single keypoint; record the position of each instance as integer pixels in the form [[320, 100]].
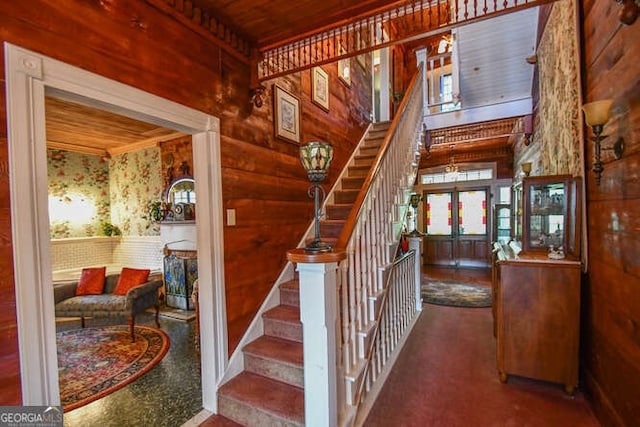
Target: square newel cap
[[300, 256]]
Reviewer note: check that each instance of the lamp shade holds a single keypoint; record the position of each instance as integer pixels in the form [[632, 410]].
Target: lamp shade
[[597, 113], [316, 158]]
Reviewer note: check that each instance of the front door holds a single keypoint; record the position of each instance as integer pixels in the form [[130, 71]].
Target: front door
[[456, 228]]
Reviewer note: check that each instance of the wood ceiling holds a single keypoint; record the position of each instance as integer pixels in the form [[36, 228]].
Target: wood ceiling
[[265, 22], [75, 127]]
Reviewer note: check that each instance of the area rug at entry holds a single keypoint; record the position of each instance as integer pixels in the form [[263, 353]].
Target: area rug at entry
[[455, 294], [94, 362]]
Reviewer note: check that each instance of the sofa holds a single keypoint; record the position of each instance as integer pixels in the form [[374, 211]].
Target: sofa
[[136, 300]]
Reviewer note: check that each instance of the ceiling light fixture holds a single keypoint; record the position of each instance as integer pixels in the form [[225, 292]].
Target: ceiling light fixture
[[452, 168]]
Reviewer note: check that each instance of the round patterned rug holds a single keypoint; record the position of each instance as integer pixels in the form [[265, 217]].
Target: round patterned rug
[[455, 294], [94, 362]]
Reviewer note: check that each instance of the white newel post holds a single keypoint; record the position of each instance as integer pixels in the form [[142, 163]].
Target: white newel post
[[318, 308], [415, 244]]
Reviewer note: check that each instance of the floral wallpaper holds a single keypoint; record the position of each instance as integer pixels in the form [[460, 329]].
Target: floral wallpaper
[[78, 193], [557, 129], [86, 191], [136, 182]]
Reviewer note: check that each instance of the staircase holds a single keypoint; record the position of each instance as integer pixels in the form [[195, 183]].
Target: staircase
[[270, 390], [337, 213]]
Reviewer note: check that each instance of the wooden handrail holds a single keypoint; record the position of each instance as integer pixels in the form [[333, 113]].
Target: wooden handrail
[[352, 219]]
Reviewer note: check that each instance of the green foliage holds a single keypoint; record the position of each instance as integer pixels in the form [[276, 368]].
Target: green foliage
[[155, 212], [109, 229]]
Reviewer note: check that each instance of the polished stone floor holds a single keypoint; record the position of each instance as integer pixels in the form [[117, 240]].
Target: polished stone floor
[[168, 395]]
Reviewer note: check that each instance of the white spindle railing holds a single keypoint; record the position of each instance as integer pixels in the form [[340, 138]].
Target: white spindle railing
[[384, 26], [398, 307], [370, 238]]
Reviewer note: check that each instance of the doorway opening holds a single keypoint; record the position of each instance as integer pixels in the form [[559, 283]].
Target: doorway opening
[[457, 227], [29, 77]]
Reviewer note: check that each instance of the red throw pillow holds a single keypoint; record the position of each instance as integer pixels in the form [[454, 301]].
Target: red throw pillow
[[130, 278], [91, 281]]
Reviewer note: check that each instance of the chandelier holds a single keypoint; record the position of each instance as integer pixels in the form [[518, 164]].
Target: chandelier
[[451, 168]]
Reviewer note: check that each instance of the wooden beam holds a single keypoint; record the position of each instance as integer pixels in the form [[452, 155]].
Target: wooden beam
[[145, 143], [57, 145]]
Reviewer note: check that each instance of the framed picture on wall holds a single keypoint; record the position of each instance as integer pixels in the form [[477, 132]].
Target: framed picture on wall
[[320, 88], [286, 110], [344, 71]]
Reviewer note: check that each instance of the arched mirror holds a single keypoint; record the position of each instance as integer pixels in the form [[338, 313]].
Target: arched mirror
[[182, 190]]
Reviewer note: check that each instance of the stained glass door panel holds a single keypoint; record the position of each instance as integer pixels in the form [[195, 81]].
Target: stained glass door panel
[[472, 240], [438, 245], [472, 213], [439, 214]]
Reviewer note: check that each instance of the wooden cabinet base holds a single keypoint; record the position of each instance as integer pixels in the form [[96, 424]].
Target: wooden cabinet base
[[538, 319]]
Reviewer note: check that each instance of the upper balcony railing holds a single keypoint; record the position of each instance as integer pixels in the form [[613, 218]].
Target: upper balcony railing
[[410, 20]]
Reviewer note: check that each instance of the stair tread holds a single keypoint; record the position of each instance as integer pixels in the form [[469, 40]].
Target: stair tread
[[217, 420], [271, 396], [274, 348], [330, 221], [360, 167], [285, 313], [290, 284]]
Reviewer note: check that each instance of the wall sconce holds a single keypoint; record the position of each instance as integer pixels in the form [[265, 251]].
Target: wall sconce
[[316, 158], [526, 168], [256, 96], [629, 12], [596, 115]]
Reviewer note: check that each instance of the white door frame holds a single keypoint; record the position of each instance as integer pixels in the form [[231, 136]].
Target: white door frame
[[29, 76]]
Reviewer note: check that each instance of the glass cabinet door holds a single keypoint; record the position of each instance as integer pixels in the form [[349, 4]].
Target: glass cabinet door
[[546, 201], [502, 223]]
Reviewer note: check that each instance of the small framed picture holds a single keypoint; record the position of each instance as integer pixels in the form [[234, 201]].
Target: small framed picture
[[344, 71], [320, 88], [286, 110]]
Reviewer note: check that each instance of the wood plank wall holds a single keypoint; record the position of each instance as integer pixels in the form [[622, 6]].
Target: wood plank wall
[[132, 42], [611, 324]]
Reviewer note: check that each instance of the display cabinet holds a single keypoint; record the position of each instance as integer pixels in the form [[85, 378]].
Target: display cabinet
[[502, 231], [551, 213]]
